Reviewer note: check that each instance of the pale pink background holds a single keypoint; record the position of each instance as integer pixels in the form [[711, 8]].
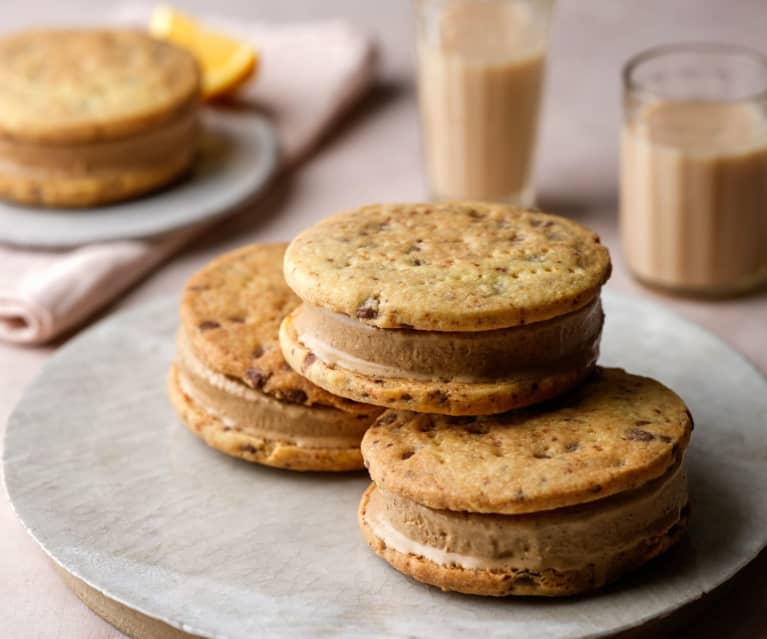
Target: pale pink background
[[375, 156]]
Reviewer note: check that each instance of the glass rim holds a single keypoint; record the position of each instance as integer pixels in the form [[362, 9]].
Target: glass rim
[[630, 66]]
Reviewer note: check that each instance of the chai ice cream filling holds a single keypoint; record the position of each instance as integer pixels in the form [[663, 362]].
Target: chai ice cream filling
[[529, 351], [561, 539], [148, 149], [253, 412]]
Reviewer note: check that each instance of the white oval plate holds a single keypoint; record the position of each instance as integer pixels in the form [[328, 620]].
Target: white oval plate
[[122, 496], [238, 155]]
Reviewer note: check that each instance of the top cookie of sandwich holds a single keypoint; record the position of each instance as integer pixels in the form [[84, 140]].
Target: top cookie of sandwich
[[615, 433], [454, 266], [82, 85], [230, 316]]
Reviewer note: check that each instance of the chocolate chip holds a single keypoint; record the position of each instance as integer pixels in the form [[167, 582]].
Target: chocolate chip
[[257, 377], [596, 488], [438, 396], [294, 396], [417, 262], [641, 422], [407, 454], [258, 351], [406, 397], [541, 456], [208, 325], [386, 418], [249, 449], [368, 309], [309, 360], [638, 435]]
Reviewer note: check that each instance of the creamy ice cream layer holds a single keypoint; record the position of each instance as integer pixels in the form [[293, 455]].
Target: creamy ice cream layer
[[562, 539], [253, 412], [154, 147], [531, 350]]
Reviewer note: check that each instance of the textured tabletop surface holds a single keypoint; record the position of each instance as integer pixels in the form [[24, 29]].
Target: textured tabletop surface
[[359, 163]]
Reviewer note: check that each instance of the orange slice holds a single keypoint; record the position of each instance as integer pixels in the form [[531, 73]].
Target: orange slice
[[226, 63]]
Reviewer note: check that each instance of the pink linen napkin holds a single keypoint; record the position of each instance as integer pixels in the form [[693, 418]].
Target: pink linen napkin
[[310, 73]]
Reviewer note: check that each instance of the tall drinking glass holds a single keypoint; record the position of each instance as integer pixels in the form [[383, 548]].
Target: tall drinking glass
[[480, 76], [694, 168]]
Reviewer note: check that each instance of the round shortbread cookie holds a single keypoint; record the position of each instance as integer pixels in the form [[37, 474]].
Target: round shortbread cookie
[[230, 314], [614, 433], [63, 86], [454, 266]]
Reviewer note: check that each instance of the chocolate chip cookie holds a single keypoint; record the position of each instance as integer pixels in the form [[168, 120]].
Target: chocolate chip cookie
[[551, 500], [231, 385], [91, 116], [457, 308]]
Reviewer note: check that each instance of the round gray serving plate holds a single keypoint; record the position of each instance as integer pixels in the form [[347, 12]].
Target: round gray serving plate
[[238, 155], [119, 493]]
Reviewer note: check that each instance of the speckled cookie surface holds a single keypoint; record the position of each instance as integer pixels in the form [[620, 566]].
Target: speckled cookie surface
[[78, 85], [451, 266], [270, 452], [614, 433], [443, 397], [501, 583], [231, 312]]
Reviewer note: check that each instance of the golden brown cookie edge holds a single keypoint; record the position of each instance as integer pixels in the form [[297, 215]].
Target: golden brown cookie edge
[[490, 583], [268, 452]]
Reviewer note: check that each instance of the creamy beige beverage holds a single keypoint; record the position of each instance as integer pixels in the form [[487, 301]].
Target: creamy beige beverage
[[694, 195], [481, 69]]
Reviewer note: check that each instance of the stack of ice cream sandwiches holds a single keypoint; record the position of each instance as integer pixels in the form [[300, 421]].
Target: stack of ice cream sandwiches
[[458, 341], [94, 116]]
